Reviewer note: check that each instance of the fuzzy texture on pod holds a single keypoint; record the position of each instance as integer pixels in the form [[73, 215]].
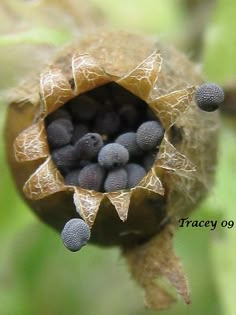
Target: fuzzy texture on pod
[[141, 220]]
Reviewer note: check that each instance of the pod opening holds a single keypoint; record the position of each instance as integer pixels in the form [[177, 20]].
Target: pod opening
[[105, 140]]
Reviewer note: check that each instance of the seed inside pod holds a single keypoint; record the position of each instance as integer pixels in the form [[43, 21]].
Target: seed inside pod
[[113, 155], [107, 123], [128, 140], [92, 177], [149, 135], [135, 173], [117, 179], [75, 234], [88, 146], [59, 133], [72, 178], [79, 131], [83, 108]]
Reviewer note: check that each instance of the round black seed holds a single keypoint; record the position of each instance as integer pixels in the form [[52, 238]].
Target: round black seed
[[129, 115], [209, 96], [135, 174], [59, 133], [107, 123], [72, 178], [83, 108], [79, 131], [149, 160], [59, 113], [88, 146], [65, 157], [92, 177], [149, 135], [128, 140], [75, 234], [116, 180], [113, 155]]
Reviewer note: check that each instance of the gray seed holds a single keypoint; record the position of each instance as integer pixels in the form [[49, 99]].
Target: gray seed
[[64, 157], [128, 115], [59, 113], [72, 178], [116, 180], [128, 140], [59, 133], [149, 135], [135, 174], [83, 108], [209, 96], [75, 234], [79, 131], [92, 177], [88, 146], [113, 155], [107, 123]]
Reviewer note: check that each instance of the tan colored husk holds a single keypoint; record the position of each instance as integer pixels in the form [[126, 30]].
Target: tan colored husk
[[182, 173]]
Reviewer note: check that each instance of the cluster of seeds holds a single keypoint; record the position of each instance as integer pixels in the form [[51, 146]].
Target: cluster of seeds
[[105, 140]]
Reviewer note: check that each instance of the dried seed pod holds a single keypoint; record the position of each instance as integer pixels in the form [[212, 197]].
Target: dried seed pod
[[132, 67]]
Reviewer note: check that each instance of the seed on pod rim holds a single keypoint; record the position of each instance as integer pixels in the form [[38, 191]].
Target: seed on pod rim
[[209, 96], [149, 135]]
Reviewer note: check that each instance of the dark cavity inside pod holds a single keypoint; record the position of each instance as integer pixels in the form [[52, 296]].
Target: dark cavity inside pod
[[98, 134]]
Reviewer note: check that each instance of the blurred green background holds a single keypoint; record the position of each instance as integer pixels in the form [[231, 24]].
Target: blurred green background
[[37, 274]]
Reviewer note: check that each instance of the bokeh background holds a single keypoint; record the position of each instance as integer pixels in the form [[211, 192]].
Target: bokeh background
[[37, 274]]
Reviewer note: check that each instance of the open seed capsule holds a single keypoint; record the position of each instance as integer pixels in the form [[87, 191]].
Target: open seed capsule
[[147, 74]]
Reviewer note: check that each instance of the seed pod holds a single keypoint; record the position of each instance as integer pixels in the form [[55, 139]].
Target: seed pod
[[131, 66]]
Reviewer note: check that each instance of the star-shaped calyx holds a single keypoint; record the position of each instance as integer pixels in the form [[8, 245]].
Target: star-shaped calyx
[[56, 90]]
